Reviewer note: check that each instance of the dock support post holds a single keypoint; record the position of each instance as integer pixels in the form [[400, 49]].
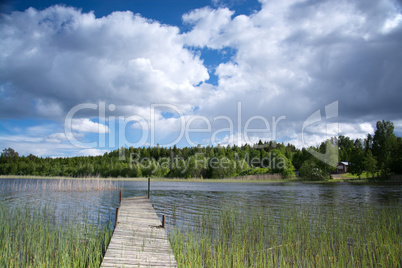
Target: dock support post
[[117, 217], [163, 221], [149, 187], [120, 197]]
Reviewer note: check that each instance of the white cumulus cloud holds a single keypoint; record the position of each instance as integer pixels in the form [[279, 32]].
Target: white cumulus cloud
[[56, 58], [86, 125]]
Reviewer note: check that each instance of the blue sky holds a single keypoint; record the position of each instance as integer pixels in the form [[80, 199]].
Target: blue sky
[[86, 77]]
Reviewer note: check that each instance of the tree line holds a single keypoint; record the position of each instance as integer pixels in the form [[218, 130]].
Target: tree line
[[380, 154]]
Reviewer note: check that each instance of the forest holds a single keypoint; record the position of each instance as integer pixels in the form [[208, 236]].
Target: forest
[[378, 155]]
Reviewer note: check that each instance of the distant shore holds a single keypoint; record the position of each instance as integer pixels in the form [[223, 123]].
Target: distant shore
[[339, 178]]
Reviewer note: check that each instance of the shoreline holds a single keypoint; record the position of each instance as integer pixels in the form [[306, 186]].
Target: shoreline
[[225, 180], [234, 180]]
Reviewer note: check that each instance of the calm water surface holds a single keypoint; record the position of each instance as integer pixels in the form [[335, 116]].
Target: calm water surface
[[178, 200]]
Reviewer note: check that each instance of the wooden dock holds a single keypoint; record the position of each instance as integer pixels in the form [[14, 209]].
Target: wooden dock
[[138, 239]]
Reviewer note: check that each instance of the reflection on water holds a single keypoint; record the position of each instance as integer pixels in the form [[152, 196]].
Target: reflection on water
[[178, 200]]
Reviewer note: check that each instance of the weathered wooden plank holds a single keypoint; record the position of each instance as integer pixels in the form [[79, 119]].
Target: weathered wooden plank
[[138, 241]]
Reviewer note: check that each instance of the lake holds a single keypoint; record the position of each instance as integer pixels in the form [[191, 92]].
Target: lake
[[180, 200]]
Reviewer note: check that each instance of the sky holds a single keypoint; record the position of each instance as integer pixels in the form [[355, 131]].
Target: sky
[[87, 77]]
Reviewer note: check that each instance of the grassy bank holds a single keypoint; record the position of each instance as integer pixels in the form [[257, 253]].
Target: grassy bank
[[31, 237], [297, 236], [367, 178], [364, 175]]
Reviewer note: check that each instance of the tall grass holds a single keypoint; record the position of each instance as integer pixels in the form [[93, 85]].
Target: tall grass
[[275, 177], [61, 185], [34, 237], [291, 237]]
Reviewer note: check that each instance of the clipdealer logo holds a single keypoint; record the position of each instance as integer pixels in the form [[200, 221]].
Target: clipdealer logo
[[239, 136]]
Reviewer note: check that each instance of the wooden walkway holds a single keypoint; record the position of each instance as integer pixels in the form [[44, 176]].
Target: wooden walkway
[[138, 240]]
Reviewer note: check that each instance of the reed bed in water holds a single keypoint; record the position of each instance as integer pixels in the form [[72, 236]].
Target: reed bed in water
[[263, 177], [62, 185], [291, 237], [32, 237]]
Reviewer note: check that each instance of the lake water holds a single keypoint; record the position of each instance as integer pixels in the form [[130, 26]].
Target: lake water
[[178, 200]]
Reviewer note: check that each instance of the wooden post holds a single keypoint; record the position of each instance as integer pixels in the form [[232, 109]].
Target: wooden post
[[120, 197], [117, 217], [163, 221], [149, 187]]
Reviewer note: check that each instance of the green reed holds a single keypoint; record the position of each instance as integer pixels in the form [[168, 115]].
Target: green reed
[[35, 237], [291, 236]]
